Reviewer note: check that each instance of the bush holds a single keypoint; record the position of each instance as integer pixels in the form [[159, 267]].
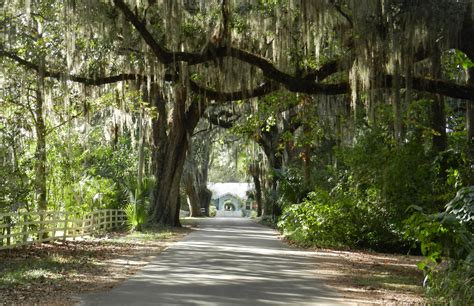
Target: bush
[[320, 220], [136, 209], [212, 211], [136, 216], [253, 214], [447, 241]]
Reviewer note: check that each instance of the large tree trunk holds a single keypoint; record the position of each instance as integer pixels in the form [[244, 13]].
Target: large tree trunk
[[199, 197], [141, 147], [269, 141], [168, 176], [438, 119], [397, 106], [170, 144], [470, 118], [195, 176], [40, 152], [192, 194], [255, 173], [205, 196]]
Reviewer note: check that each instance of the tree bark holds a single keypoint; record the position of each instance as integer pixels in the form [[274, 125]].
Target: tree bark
[[438, 116], [40, 151], [141, 147], [397, 105], [255, 172], [192, 193], [199, 196], [470, 118], [269, 141], [196, 173], [170, 145]]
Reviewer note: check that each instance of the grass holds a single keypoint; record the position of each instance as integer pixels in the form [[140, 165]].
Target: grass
[[191, 221], [21, 272], [146, 235]]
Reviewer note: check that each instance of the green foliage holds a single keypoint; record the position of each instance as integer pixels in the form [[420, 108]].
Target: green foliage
[[462, 206], [212, 211], [252, 214], [447, 241], [290, 187], [363, 201], [90, 175], [318, 220], [455, 284], [139, 202], [136, 216]]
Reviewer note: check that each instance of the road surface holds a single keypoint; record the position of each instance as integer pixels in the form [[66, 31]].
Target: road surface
[[225, 261]]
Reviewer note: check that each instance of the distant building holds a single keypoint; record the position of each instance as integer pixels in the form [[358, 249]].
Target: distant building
[[230, 199]]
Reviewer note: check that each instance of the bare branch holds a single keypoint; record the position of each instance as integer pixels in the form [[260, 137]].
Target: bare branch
[[49, 131]]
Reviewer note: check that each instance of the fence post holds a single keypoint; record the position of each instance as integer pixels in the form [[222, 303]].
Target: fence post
[[83, 225], [25, 228], [74, 227], [9, 230], [106, 219], [65, 226], [54, 224], [2, 232], [93, 224]]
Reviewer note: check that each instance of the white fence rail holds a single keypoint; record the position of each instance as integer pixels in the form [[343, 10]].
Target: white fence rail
[[19, 229]]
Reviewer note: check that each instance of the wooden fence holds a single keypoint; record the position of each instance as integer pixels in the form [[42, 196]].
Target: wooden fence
[[18, 229]]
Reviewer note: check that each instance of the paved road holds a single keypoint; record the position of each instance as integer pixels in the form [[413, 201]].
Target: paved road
[[226, 261]]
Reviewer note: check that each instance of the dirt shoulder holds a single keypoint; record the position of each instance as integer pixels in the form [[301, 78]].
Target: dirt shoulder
[[52, 274], [372, 278]]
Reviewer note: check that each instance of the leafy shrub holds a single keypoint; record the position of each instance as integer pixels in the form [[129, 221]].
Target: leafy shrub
[[290, 186], [89, 193], [364, 201], [136, 209], [447, 241], [136, 216], [253, 214], [212, 211], [320, 220]]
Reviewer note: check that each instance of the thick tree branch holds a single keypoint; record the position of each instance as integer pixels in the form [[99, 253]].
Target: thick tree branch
[[211, 94], [440, 87], [79, 79], [338, 8], [163, 55], [216, 120], [268, 68], [294, 84], [324, 71]]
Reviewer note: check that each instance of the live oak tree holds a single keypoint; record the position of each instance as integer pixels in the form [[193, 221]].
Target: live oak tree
[[190, 54], [196, 169]]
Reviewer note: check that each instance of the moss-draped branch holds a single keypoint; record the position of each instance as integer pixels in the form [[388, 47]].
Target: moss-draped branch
[[306, 84], [310, 83]]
